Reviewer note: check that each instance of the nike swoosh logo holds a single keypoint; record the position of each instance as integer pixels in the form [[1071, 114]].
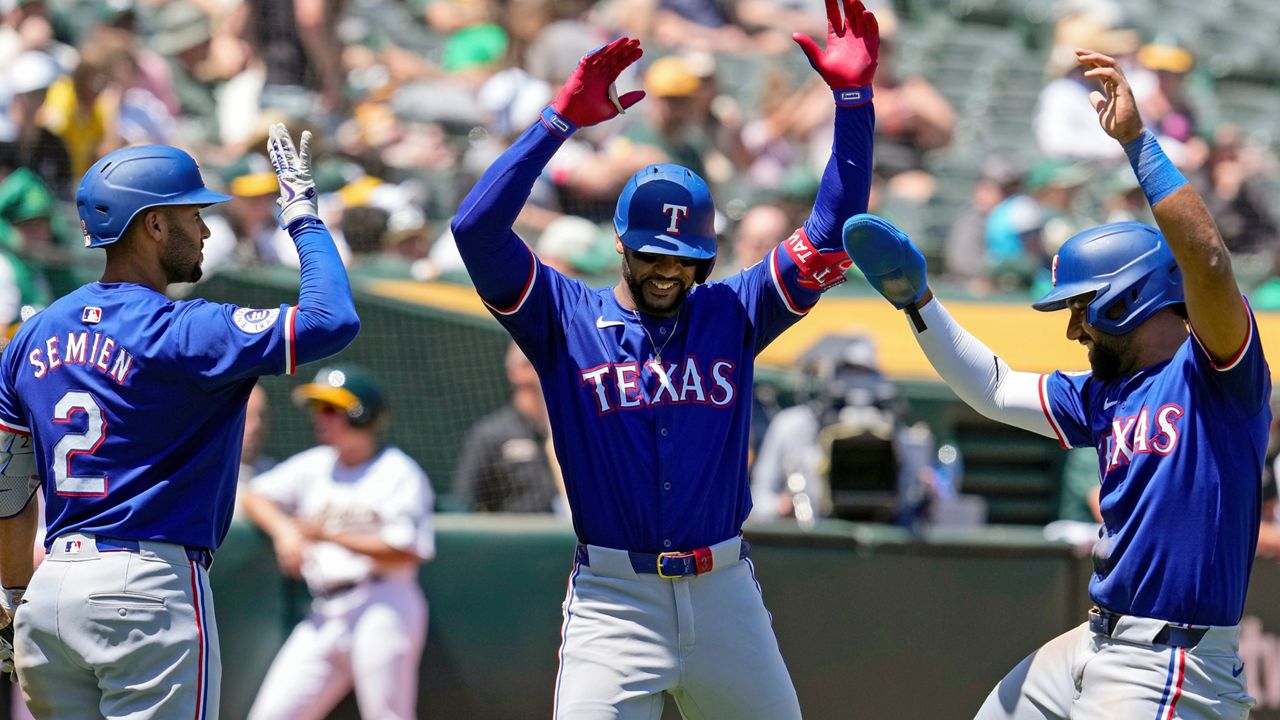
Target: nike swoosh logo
[[602, 323], [1235, 672], [1109, 404]]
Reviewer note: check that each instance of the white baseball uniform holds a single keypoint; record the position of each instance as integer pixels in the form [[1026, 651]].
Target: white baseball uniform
[[366, 626]]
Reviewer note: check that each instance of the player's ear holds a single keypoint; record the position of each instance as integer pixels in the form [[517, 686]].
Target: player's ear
[[617, 244], [155, 224]]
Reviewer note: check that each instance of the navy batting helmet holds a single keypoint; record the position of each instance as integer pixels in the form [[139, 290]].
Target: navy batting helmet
[[127, 181], [349, 388], [1127, 264], [666, 209]]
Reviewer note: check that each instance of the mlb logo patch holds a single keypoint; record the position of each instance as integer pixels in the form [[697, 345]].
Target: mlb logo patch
[[92, 315], [72, 548]]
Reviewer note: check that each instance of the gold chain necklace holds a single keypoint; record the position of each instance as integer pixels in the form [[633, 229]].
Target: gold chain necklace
[[657, 351]]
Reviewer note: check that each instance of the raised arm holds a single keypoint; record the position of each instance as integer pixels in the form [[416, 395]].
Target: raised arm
[[896, 268], [1214, 305], [326, 319], [848, 65], [500, 264]]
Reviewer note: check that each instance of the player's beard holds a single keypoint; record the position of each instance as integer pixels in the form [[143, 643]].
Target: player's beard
[[1107, 357], [661, 309], [181, 258]]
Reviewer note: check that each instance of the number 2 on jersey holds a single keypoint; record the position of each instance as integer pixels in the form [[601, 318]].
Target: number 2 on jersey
[[78, 443]]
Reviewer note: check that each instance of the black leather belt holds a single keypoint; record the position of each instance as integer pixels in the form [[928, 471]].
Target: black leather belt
[[1103, 622]]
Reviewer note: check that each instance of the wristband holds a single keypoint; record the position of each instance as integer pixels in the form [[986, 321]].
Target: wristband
[[852, 96], [559, 125], [1156, 174]]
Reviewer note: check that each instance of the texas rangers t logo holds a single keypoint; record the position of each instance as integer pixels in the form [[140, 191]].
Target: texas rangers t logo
[[676, 212]]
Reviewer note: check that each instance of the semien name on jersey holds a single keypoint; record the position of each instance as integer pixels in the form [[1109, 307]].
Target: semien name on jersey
[[100, 352]]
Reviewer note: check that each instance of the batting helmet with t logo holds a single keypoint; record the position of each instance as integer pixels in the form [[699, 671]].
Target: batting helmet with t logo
[[125, 182], [666, 209], [1127, 264]]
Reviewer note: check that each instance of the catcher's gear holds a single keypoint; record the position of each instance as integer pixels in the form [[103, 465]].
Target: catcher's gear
[[125, 182], [887, 257], [588, 96], [1127, 264], [666, 209], [853, 49], [293, 170]]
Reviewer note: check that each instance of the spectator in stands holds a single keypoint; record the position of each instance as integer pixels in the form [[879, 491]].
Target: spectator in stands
[[1015, 251], [26, 25], [181, 32], [1165, 107], [575, 246], [965, 251], [758, 232], [25, 142], [1234, 186], [674, 129], [505, 464], [1065, 123], [298, 43], [709, 25], [1056, 185], [912, 118], [82, 109]]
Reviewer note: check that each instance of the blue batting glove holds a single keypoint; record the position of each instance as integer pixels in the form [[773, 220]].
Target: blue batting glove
[[887, 257]]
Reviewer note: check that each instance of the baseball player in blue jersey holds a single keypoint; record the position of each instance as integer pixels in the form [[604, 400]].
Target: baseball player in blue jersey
[[648, 391], [130, 407], [1176, 404]]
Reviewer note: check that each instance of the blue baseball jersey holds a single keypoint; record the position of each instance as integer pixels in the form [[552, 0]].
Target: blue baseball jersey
[[136, 403], [650, 415], [1180, 453]]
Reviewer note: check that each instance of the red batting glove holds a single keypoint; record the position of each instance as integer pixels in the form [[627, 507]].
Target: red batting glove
[[853, 46], [584, 100]]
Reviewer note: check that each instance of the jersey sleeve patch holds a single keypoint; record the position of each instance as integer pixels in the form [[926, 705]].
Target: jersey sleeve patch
[[254, 320]]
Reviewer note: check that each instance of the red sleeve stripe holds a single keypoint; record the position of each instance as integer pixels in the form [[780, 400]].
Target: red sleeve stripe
[[291, 340], [524, 294], [1235, 359], [781, 286], [1044, 407], [15, 428]]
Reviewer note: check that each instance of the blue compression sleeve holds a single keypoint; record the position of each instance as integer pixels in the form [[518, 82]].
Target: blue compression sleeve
[[496, 258], [1157, 175], [326, 320], [843, 193]]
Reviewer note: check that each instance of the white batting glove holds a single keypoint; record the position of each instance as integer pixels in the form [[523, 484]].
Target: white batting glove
[[293, 170]]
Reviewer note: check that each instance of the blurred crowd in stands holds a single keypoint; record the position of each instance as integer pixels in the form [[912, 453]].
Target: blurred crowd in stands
[[986, 148]]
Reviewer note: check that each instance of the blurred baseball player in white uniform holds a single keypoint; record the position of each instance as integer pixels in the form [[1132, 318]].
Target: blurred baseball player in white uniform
[[352, 517]]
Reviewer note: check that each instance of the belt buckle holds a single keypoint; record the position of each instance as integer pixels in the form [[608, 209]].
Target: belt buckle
[[674, 555]]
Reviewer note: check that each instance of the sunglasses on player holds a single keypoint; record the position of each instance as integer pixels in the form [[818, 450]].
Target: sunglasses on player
[[653, 259]]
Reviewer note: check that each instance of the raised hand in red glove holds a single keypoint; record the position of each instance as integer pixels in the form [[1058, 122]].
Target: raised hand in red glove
[[853, 46], [588, 97]]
